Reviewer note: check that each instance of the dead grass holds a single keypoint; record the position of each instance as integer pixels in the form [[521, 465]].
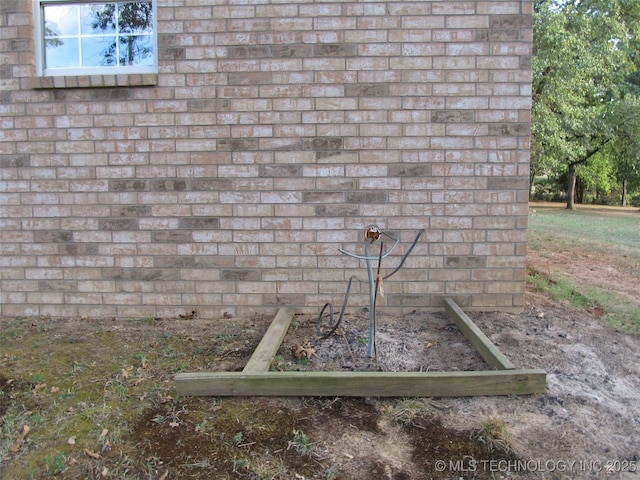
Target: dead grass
[[94, 399]]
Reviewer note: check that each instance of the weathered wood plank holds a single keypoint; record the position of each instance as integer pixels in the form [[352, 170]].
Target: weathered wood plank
[[485, 347], [270, 343], [362, 384]]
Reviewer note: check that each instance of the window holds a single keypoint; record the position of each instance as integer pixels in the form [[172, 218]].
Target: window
[[86, 38]]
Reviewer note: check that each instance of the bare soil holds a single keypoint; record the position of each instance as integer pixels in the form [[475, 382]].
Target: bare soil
[[584, 426]]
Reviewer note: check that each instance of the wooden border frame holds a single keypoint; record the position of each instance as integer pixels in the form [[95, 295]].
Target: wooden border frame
[[256, 380]]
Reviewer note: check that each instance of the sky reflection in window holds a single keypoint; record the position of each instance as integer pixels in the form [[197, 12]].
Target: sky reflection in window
[[98, 35]]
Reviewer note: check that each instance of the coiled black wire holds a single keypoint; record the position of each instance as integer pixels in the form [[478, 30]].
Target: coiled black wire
[[346, 296]]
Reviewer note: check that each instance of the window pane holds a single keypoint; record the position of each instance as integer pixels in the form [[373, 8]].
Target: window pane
[[99, 51], [135, 17], [92, 35], [98, 18], [60, 20], [61, 53], [136, 50]]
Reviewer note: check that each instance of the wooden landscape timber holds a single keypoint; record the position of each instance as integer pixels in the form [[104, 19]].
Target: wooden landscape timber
[[256, 380], [485, 347], [263, 355]]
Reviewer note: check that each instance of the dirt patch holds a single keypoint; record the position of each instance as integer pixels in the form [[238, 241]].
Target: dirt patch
[[86, 398], [117, 376], [416, 342], [618, 276]]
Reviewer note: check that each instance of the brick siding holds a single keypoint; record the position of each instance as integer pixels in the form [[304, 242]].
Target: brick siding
[[270, 137]]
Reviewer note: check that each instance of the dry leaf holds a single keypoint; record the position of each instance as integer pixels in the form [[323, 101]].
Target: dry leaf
[[305, 350], [106, 447], [126, 371], [164, 475], [91, 454], [174, 424], [71, 440], [103, 434], [54, 390], [104, 472], [15, 448]]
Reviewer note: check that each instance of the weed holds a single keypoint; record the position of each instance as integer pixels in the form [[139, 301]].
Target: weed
[[142, 359], [56, 463], [225, 336], [78, 367], [279, 364], [332, 473], [238, 438], [240, 465], [181, 367], [202, 426], [11, 334], [11, 428], [159, 419], [301, 443], [406, 410], [170, 352], [494, 433], [67, 394]]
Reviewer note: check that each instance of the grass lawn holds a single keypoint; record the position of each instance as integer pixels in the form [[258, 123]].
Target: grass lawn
[[600, 229], [592, 258]]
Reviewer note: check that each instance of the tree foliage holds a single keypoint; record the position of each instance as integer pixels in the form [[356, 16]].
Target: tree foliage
[[129, 19], [585, 90]]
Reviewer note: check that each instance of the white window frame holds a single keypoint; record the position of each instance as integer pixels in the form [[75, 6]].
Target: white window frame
[[79, 71]]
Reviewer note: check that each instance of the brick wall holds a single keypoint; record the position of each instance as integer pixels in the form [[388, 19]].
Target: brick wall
[[272, 135]]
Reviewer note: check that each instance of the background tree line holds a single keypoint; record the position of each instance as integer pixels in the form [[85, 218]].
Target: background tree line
[[586, 101]]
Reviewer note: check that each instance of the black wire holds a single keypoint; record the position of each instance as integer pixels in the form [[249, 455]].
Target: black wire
[[344, 307], [404, 257], [346, 296]]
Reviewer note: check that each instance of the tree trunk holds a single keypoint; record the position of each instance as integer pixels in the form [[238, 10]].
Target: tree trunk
[[571, 186], [624, 193], [580, 189]]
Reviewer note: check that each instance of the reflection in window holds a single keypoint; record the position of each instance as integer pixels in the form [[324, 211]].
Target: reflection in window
[[86, 35]]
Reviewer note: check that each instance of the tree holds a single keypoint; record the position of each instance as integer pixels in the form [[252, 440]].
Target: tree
[[129, 20], [584, 103], [627, 148]]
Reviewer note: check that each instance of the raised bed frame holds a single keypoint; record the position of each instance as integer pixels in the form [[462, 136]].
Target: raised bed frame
[[257, 380]]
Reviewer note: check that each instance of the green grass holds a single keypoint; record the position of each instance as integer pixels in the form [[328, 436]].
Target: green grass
[[592, 229], [591, 233], [615, 308], [562, 289]]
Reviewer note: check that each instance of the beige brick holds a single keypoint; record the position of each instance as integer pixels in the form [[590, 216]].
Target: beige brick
[[271, 136]]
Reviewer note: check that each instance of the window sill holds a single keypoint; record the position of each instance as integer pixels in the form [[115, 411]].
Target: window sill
[[96, 81]]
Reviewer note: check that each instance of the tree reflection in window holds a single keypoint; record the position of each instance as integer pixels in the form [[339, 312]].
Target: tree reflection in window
[[84, 35]]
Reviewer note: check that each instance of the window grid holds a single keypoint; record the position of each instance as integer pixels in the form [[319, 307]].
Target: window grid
[[80, 52]]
